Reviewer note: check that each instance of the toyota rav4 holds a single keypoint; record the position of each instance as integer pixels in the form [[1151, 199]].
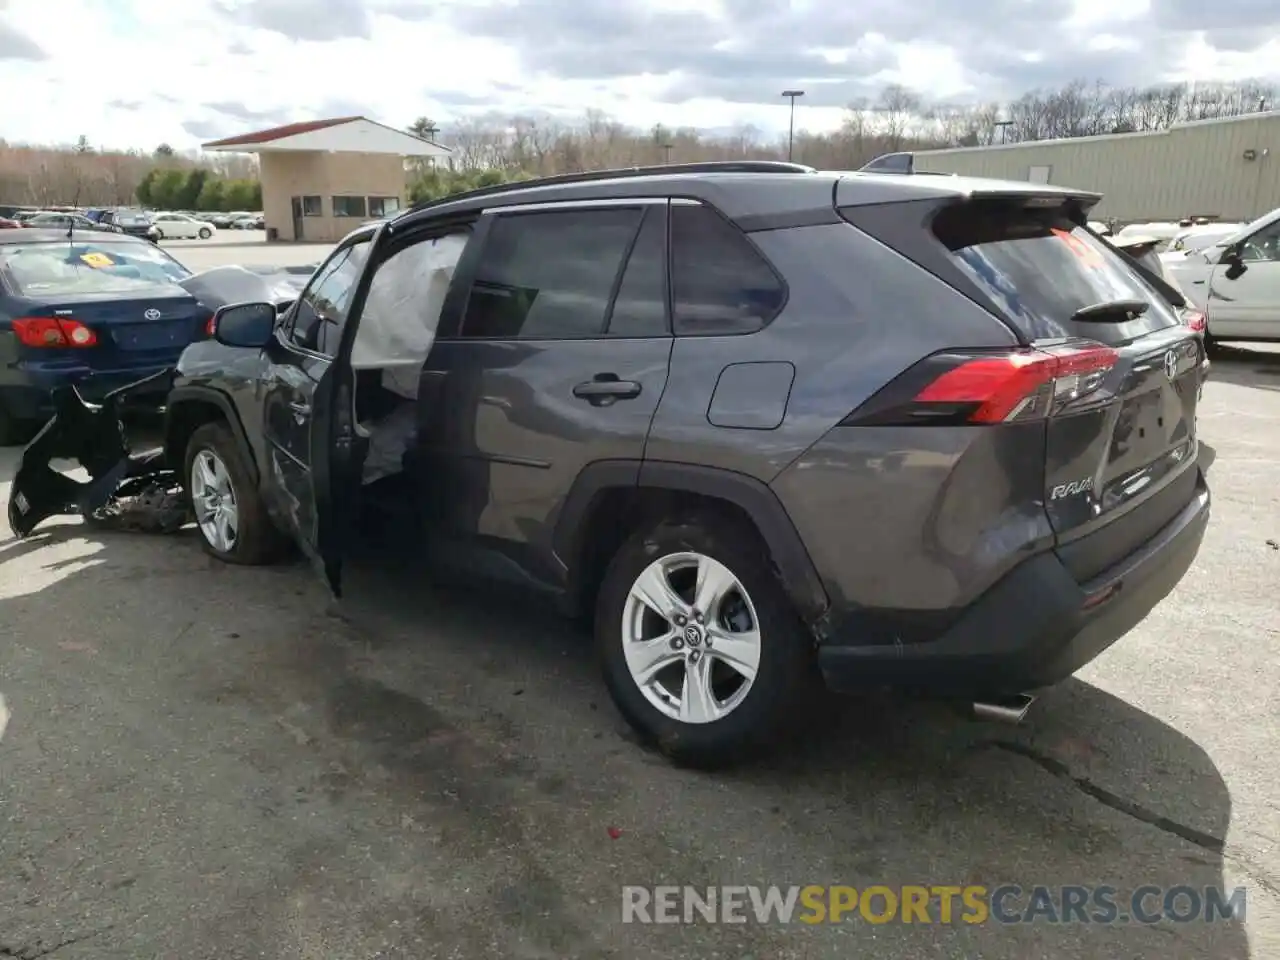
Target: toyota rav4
[[759, 422]]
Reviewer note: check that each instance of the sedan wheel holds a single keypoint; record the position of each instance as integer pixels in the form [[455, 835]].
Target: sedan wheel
[[691, 638], [213, 497], [205, 233]]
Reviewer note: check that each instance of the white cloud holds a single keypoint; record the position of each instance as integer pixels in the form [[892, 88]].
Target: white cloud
[[135, 73]]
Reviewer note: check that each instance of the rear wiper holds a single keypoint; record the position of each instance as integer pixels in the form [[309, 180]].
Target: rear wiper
[[1112, 310]]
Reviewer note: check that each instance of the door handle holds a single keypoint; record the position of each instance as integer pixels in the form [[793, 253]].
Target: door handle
[[605, 388]]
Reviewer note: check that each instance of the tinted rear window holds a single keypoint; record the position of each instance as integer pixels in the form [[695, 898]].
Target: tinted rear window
[[71, 269], [1039, 268]]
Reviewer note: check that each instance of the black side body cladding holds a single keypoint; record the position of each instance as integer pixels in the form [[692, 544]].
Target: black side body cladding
[[205, 395], [795, 567]]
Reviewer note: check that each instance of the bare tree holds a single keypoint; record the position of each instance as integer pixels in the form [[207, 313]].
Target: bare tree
[[898, 108], [898, 119]]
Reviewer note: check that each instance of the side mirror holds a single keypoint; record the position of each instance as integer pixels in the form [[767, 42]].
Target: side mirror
[[248, 325], [1232, 258]]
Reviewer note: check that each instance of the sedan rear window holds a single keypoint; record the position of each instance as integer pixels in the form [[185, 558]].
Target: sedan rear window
[[73, 269], [1041, 268]]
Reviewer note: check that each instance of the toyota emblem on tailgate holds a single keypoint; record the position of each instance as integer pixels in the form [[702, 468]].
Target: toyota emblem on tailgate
[[154, 314], [1171, 364]]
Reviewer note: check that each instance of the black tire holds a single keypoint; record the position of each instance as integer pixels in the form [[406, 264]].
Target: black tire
[[785, 678], [257, 541], [205, 233]]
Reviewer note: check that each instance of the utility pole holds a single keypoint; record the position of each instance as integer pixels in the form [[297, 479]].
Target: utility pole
[[791, 129]]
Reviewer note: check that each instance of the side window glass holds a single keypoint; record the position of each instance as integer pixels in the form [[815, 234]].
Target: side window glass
[[640, 308], [322, 309], [720, 284], [1263, 245], [549, 275]]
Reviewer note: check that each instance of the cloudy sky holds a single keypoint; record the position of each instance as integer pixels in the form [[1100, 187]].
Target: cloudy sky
[[141, 72]]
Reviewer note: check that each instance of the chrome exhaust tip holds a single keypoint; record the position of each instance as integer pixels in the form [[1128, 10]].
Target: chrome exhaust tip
[[1008, 710]]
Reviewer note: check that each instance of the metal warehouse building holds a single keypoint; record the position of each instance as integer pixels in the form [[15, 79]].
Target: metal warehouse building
[[1215, 168]]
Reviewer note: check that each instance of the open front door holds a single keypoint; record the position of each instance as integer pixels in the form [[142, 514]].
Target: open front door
[[307, 411]]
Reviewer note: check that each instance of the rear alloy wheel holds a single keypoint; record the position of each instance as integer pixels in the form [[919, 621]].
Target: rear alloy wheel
[[694, 660], [702, 651], [205, 233], [230, 515]]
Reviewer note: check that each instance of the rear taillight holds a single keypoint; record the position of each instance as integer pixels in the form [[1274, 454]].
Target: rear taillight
[[209, 327], [53, 332], [1195, 319], [962, 387]]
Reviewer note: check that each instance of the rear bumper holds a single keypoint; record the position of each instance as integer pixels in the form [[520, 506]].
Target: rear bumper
[[27, 393], [1035, 628]]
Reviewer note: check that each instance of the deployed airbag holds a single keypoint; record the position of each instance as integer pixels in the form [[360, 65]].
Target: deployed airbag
[[402, 311]]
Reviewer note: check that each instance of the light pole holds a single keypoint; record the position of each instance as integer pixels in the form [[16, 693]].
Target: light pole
[[791, 129]]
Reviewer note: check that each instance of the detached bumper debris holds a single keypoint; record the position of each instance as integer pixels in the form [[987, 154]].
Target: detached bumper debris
[[128, 492], [132, 492]]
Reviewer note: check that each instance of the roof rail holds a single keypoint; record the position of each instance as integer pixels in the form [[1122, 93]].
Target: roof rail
[[587, 176]]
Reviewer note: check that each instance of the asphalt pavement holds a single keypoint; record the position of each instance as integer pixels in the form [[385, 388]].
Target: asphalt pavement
[[209, 761]]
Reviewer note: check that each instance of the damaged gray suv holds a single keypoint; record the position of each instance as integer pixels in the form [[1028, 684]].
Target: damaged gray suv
[[760, 423]]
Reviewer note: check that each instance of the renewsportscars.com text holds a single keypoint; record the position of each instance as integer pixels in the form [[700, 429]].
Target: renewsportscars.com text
[[937, 904]]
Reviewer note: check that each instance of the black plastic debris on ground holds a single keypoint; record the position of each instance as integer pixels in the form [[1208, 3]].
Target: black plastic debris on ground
[[129, 492]]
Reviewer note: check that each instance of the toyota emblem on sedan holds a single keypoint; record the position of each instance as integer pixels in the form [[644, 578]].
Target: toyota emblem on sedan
[[1171, 364], [154, 314]]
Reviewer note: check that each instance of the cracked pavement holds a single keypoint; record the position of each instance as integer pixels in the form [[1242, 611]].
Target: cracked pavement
[[209, 761]]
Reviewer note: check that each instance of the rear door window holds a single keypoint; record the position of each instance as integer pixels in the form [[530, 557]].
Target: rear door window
[[1040, 269], [640, 306], [549, 275]]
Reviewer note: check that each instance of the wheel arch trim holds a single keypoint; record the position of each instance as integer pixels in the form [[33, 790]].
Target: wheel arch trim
[[193, 394], [795, 567]]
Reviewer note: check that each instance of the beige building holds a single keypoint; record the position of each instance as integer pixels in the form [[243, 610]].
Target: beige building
[[1219, 168], [323, 178]]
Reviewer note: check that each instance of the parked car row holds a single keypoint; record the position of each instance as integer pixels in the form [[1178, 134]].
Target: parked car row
[[239, 220], [156, 225]]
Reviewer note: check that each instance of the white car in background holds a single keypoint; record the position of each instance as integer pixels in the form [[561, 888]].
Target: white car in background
[[1235, 282], [1200, 237], [179, 226], [1163, 232]]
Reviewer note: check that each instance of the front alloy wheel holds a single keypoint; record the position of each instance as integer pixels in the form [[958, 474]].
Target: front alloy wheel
[[691, 638], [213, 497]]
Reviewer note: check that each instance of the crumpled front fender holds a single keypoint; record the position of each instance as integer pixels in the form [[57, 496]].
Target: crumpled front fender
[[94, 436]]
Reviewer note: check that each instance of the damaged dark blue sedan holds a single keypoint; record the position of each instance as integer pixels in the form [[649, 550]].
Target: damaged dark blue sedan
[[93, 310]]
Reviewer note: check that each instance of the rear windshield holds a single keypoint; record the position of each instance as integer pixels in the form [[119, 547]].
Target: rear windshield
[[75, 269], [130, 218], [1039, 268]]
